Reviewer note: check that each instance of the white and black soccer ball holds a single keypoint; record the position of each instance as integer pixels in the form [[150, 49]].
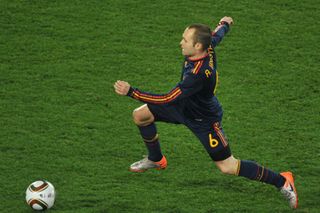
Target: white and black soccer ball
[[40, 195]]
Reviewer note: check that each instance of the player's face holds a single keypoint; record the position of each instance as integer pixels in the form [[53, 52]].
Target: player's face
[[187, 43]]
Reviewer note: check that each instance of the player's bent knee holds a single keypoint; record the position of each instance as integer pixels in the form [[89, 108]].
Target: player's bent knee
[[142, 116], [137, 118]]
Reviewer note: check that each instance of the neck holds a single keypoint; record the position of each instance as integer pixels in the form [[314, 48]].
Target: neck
[[199, 55]]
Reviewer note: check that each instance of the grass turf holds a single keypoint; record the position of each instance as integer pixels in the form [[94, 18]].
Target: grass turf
[[61, 120]]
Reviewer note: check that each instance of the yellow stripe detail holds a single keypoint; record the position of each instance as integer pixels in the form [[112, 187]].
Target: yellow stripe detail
[[221, 136], [151, 140], [261, 173], [222, 139], [238, 168], [159, 96], [211, 64], [196, 67], [217, 81], [158, 99]]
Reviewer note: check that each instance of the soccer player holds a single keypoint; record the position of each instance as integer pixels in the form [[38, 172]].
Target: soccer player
[[192, 102]]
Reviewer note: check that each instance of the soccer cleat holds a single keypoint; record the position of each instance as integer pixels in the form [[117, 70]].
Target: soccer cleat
[[289, 191], [145, 164]]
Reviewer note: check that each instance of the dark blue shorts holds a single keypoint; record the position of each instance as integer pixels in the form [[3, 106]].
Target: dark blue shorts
[[210, 133]]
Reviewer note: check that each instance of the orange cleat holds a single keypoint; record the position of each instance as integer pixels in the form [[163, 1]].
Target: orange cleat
[[145, 164], [289, 191]]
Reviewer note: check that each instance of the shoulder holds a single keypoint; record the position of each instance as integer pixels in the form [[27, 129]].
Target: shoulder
[[197, 67], [203, 66]]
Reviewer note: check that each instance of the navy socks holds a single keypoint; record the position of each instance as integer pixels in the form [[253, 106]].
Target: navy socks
[[150, 138], [254, 171]]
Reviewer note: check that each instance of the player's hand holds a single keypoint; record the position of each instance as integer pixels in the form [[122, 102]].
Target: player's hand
[[121, 87], [227, 19]]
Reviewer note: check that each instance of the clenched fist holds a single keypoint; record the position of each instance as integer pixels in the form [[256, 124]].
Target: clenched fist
[[121, 87], [227, 19]]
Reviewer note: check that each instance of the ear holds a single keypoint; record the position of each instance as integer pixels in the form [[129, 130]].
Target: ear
[[198, 46]]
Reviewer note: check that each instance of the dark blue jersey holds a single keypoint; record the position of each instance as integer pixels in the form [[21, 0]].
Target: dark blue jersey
[[195, 93]]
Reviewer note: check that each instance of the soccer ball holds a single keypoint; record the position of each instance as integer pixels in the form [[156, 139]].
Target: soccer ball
[[40, 195]]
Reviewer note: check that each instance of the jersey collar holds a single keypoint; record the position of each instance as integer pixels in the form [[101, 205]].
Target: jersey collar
[[198, 59]]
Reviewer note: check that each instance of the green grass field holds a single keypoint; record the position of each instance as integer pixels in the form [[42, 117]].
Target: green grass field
[[61, 120]]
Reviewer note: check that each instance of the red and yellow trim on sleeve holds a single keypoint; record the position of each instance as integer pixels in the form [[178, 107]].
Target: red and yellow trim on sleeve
[[197, 67], [161, 99]]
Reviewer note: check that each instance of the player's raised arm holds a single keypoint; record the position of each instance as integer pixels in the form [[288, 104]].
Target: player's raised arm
[[221, 30], [189, 86]]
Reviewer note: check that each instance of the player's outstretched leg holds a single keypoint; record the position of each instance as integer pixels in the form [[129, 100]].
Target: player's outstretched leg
[[253, 171], [145, 122], [283, 181], [217, 147]]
